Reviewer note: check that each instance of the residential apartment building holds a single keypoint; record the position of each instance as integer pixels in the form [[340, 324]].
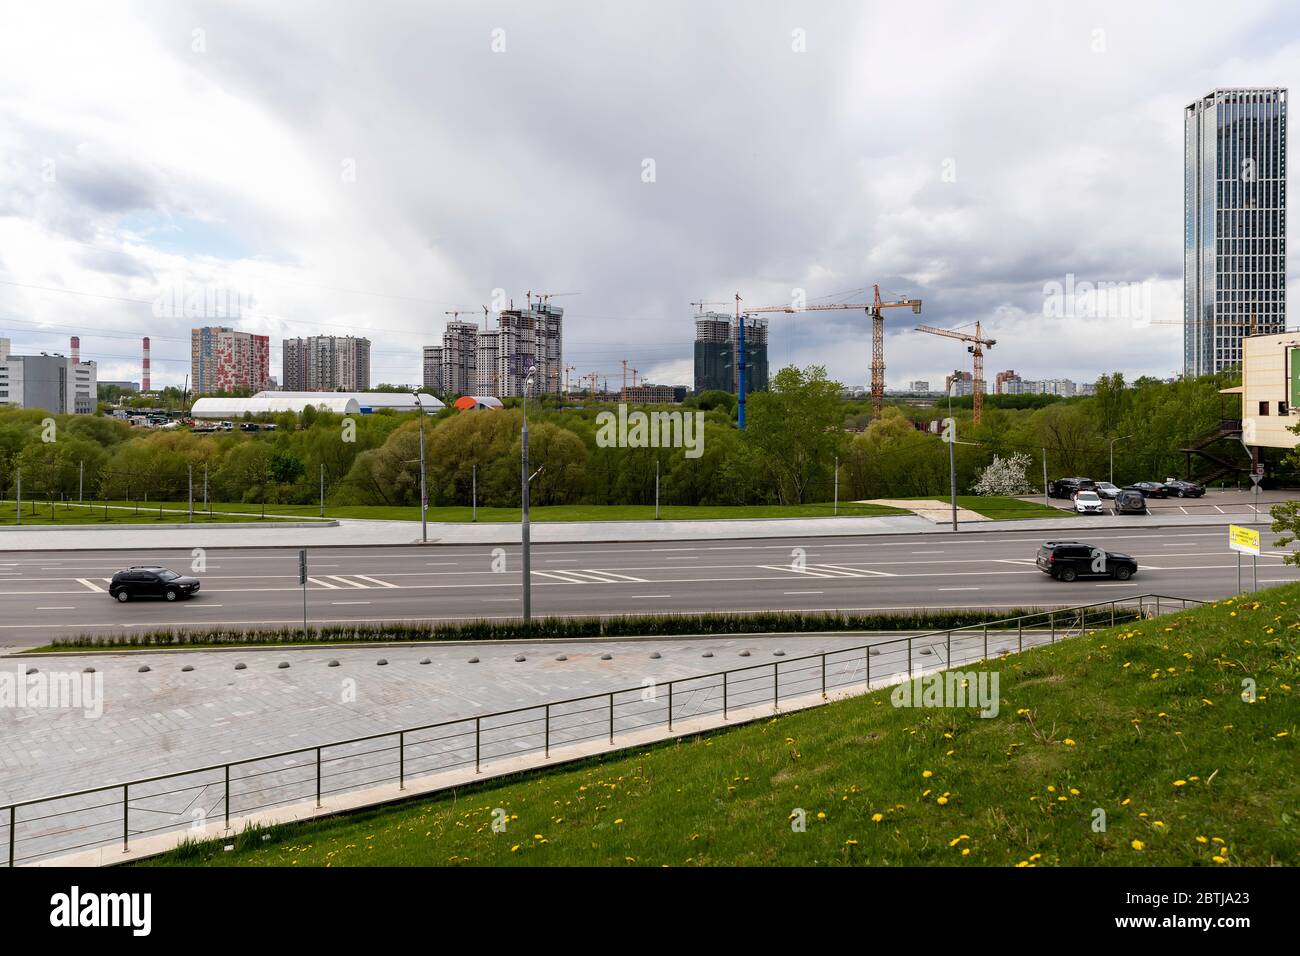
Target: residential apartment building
[[223, 360], [717, 345], [326, 363], [433, 369], [460, 358]]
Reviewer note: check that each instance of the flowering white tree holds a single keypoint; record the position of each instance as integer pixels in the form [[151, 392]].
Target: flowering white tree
[[1006, 476]]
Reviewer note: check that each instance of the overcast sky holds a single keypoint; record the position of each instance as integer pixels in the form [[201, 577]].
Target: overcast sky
[[366, 167]]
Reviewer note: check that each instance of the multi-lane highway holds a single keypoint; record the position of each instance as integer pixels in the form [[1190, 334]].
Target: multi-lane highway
[[46, 595]]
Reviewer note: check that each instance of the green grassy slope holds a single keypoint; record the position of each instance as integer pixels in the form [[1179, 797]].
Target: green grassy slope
[[1145, 723]]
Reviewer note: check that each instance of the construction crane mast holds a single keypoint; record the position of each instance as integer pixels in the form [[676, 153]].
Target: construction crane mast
[[875, 308], [976, 349]]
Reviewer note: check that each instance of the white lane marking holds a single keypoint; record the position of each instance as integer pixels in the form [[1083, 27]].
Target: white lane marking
[[382, 584], [56, 608], [350, 583], [611, 574], [958, 589], [803, 592], [90, 584], [203, 607], [682, 559], [349, 602], [1114, 585], [563, 576], [793, 570], [324, 584], [499, 599], [646, 596], [927, 552], [855, 572]]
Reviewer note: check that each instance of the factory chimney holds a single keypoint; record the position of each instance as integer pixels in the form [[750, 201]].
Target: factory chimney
[[76, 350], [144, 377]]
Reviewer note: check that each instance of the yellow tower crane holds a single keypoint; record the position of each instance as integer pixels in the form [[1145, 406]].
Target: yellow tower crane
[[875, 309], [976, 349]]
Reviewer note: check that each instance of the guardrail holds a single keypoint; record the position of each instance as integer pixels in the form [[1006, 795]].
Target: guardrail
[[45, 827]]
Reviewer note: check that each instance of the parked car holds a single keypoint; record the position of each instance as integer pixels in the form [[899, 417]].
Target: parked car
[[1106, 489], [1087, 502], [151, 581], [1151, 489], [1129, 501], [1184, 489], [1066, 487], [1068, 560]]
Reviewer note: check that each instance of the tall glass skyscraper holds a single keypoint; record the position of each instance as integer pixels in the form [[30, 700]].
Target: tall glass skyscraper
[[1234, 232]]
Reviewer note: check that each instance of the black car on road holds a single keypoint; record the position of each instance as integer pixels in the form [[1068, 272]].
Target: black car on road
[[1151, 489], [151, 581], [1184, 489], [1067, 487], [1068, 560]]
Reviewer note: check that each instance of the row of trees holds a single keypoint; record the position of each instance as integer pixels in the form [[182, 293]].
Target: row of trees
[[796, 434]]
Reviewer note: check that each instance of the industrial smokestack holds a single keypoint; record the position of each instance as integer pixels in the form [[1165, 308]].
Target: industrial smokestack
[[76, 350], [144, 377]]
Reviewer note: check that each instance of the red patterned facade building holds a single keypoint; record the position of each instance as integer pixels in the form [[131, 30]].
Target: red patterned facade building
[[225, 361]]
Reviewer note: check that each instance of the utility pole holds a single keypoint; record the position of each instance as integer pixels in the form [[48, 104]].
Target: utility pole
[[1045, 499], [206, 507], [524, 530], [473, 492], [424, 497], [19, 512], [189, 473], [322, 489], [836, 509], [952, 451], [656, 489], [81, 480]]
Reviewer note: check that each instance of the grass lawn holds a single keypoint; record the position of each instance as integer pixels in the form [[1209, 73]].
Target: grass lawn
[[542, 513], [1003, 508], [1144, 723], [43, 513]]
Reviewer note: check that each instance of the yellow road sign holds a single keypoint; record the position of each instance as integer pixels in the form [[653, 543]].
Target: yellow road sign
[[1245, 540]]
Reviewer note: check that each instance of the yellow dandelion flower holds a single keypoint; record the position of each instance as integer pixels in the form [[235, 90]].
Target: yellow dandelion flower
[[927, 774], [1201, 839], [1068, 742], [1138, 845]]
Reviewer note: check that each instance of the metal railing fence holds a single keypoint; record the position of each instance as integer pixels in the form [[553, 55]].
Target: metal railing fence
[[43, 827]]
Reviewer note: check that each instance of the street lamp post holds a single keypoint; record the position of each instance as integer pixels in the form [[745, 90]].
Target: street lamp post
[[952, 450], [524, 479], [1112, 456], [424, 497]]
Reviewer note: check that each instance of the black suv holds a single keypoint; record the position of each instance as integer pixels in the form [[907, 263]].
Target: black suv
[[1066, 487], [151, 581], [1067, 560]]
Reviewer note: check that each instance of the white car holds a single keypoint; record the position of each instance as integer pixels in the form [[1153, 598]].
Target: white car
[[1087, 502], [1106, 489]]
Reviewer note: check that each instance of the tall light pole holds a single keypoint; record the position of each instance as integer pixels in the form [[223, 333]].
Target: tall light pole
[[524, 479], [1111, 479], [952, 449], [424, 498]]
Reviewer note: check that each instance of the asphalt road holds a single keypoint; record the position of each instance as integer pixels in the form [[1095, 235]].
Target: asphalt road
[[43, 596]]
